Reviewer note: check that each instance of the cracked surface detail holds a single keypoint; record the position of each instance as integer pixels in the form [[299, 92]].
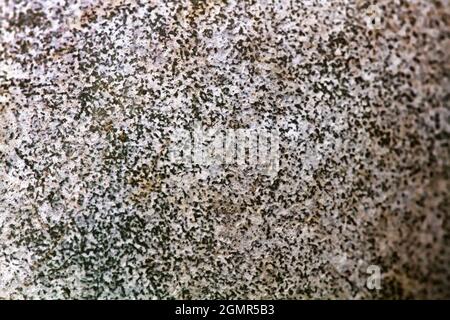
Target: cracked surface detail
[[91, 205]]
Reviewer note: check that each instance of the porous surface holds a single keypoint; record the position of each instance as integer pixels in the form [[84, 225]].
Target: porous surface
[[91, 206]]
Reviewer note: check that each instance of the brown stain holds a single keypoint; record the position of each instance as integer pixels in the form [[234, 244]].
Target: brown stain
[[146, 179]]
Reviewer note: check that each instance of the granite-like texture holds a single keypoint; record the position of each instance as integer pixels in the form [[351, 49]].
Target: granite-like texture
[[92, 207]]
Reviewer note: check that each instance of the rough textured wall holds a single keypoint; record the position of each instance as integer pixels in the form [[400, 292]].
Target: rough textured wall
[[92, 205]]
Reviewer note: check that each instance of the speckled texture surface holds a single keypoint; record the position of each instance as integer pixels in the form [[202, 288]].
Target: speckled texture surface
[[92, 207]]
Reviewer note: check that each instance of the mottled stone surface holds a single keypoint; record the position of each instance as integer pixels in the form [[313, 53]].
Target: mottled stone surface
[[92, 207]]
